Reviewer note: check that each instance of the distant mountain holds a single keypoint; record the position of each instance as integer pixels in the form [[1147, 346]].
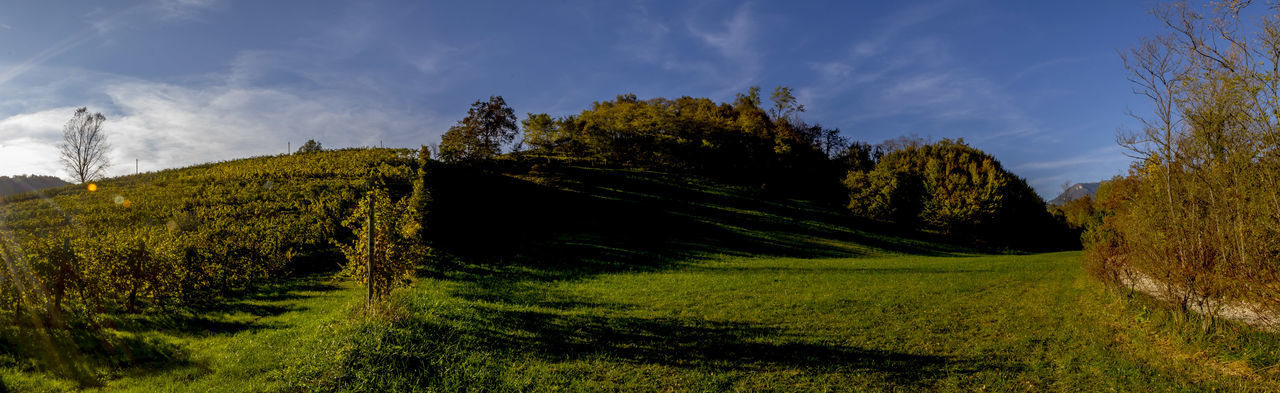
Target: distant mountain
[[1077, 191], [21, 184]]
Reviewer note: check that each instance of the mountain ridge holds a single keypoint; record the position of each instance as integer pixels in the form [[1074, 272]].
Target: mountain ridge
[[1076, 191], [28, 183]]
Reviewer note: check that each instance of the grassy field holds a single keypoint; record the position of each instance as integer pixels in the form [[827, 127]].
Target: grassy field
[[633, 281]]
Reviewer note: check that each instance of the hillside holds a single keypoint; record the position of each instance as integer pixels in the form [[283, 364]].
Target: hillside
[[190, 235], [581, 279], [1076, 191], [28, 183]]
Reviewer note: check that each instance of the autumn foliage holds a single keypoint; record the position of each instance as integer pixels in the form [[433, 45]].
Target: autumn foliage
[[188, 235], [956, 190], [1198, 212]]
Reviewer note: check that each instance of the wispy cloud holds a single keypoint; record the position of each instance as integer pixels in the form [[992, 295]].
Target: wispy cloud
[[1086, 166], [1041, 66], [720, 52], [182, 9], [40, 58], [735, 40], [1108, 154], [103, 22], [898, 23], [736, 44], [903, 80], [644, 36], [434, 59]]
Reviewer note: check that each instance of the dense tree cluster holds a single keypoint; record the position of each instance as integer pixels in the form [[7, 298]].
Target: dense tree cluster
[[489, 126], [946, 187], [739, 141], [311, 146], [955, 189]]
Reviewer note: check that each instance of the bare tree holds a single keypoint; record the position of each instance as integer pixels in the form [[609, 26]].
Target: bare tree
[[84, 146]]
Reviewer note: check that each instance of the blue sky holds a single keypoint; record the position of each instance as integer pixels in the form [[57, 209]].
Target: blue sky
[[1038, 84]]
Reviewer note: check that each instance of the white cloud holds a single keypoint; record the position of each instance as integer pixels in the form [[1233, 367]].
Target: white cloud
[[28, 142], [168, 126]]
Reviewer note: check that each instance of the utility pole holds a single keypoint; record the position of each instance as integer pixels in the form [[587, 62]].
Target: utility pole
[[135, 166]]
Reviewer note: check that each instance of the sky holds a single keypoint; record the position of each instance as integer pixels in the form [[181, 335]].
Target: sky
[[1038, 84]]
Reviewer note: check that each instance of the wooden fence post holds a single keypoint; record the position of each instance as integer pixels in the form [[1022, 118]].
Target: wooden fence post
[[369, 234]]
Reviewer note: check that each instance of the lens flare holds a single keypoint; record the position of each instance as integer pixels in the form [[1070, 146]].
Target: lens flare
[[93, 187], [119, 200]]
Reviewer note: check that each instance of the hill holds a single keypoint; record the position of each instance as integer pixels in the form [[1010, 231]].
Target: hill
[[1076, 191], [561, 278], [191, 234], [28, 183]]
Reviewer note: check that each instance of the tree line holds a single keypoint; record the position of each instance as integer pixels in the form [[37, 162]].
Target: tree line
[[946, 186]]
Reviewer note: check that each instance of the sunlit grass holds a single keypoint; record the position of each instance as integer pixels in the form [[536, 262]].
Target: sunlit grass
[[997, 323], [614, 288]]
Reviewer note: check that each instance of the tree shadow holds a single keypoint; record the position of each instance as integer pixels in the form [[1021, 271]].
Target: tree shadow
[[506, 236], [81, 354], [711, 347], [581, 222], [231, 315], [88, 349]]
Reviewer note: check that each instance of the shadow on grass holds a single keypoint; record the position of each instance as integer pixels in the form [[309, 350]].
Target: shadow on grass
[[240, 313], [422, 353], [138, 344], [703, 345], [508, 236], [81, 354], [581, 222]]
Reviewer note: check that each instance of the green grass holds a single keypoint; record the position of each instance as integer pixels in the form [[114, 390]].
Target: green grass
[[903, 323], [250, 344], [632, 281]]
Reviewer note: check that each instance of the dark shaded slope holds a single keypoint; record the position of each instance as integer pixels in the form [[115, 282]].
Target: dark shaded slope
[[582, 221]]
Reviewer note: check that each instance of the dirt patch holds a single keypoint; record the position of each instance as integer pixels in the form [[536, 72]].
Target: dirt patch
[[1246, 313]]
